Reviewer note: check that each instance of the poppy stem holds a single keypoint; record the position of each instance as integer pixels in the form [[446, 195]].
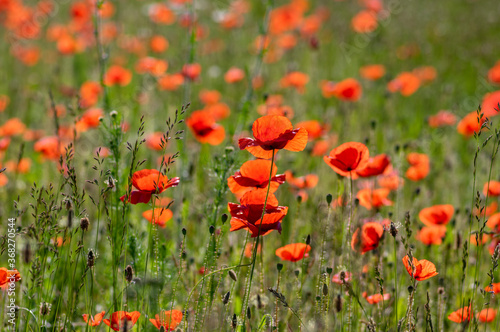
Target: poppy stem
[[255, 246]]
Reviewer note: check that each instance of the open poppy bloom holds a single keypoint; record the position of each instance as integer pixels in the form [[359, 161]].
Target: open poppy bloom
[[406, 83], [293, 252], [6, 276], [119, 319], [487, 315], [493, 288], [159, 217], [168, 319], [432, 235], [376, 298], [234, 75], [248, 214], [461, 315], [348, 158], [94, 320], [369, 237], [494, 73], [491, 188], [470, 124], [419, 166], [364, 22], [375, 166], [273, 132], [441, 119], [148, 182], [437, 214], [494, 222], [117, 75], [422, 269], [204, 128], [338, 280], [372, 72], [489, 106], [313, 127], [302, 182], [374, 198], [254, 174], [347, 90], [296, 80]]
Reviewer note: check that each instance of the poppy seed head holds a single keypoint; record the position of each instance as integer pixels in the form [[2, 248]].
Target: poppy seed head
[[84, 223]]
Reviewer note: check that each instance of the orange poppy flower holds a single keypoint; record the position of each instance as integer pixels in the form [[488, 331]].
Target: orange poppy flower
[[234, 75], [160, 217], [49, 146], [470, 124], [493, 288], [94, 320], [89, 93], [22, 166], [302, 182], [441, 119], [6, 276], [153, 141], [432, 235], [122, 318], [295, 79], [346, 90], [461, 315], [209, 97], [494, 221], [348, 158], [391, 180], [481, 239], [375, 166], [487, 211], [338, 280], [152, 66], [273, 132], [218, 111], [158, 44], [12, 127], [254, 174], [425, 73], [117, 75], [285, 18], [4, 102], [248, 214], [494, 73], [168, 319], [491, 188], [205, 129], [161, 14], [313, 127], [406, 83], [487, 315], [437, 215], [249, 250], [419, 166], [376, 298], [372, 72], [368, 238], [90, 119], [422, 269], [148, 182], [287, 41], [191, 71], [170, 82], [293, 252], [364, 22], [490, 105]]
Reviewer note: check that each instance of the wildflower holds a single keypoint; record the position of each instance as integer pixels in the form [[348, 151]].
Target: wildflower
[[346, 90], [494, 73], [374, 198], [461, 315], [94, 320], [295, 79], [422, 269], [6, 276], [368, 238], [119, 319], [419, 166], [436, 215], [254, 174], [117, 75], [337, 278], [273, 132], [205, 129], [376, 298], [491, 188], [489, 105], [167, 319], [372, 72], [293, 252], [470, 124], [159, 217], [364, 22], [148, 182], [487, 315], [348, 158], [234, 75], [441, 119], [406, 83], [375, 166], [432, 235]]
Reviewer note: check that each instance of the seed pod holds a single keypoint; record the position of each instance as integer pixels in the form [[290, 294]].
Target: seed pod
[[329, 270], [129, 273], [329, 199], [234, 321], [224, 218], [225, 299], [70, 218], [90, 258], [84, 224], [308, 240], [184, 231], [232, 274], [279, 266], [249, 313], [338, 303], [325, 289], [211, 229]]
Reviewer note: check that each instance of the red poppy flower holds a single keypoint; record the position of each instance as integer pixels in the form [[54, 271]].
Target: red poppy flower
[[168, 319], [494, 221], [422, 269], [293, 252], [491, 188], [117, 75], [470, 124], [432, 235], [6, 276], [209, 97], [461, 315], [494, 73], [160, 216], [119, 319], [347, 90], [313, 127], [302, 182], [372, 72], [487, 315], [148, 182], [234, 75], [338, 280], [374, 198], [205, 129], [348, 158], [419, 166], [437, 214], [295, 80], [441, 119], [369, 237], [170, 82], [94, 320], [375, 166], [489, 106], [376, 298], [364, 22], [248, 214], [273, 132], [406, 83], [494, 288], [254, 174]]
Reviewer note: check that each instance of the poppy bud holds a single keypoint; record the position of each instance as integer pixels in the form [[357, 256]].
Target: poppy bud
[[329, 198], [183, 255], [225, 299], [129, 273], [308, 240], [70, 218], [249, 313], [373, 124], [329, 270], [211, 229], [299, 199], [318, 298], [342, 276], [90, 258], [297, 272], [113, 114], [440, 290], [356, 202], [279, 266], [162, 328], [325, 289], [184, 231], [396, 148], [224, 218], [234, 321], [338, 303], [410, 289], [314, 43], [68, 204], [84, 224], [232, 274]]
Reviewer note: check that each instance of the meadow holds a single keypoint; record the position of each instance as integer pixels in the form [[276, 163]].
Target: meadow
[[249, 165]]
